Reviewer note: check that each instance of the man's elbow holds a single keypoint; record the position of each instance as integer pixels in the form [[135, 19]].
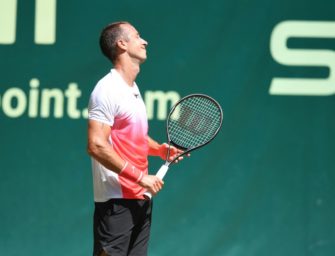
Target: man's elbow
[[89, 149], [92, 148]]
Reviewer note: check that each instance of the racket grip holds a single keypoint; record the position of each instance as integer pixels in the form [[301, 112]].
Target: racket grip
[[160, 174]]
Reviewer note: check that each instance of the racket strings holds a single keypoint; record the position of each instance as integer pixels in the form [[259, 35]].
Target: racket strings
[[194, 122]]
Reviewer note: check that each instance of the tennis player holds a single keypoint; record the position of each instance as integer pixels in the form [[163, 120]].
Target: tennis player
[[119, 145]]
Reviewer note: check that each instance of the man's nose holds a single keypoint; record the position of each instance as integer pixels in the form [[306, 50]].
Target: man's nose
[[144, 42]]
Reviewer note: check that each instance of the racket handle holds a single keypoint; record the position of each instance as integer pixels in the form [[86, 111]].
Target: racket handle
[[162, 171], [160, 174]]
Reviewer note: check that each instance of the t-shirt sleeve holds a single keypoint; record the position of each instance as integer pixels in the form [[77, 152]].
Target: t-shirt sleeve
[[101, 108]]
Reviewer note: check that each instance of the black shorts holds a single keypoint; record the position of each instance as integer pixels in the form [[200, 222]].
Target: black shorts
[[122, 227]]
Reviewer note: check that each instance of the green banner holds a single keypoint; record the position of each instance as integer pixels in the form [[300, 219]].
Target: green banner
[[264, 186]]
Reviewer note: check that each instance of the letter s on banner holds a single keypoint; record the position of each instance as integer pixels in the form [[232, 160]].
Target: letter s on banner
[[303, 57]]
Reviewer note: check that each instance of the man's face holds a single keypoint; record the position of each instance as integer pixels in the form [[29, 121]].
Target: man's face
[[136, 46]]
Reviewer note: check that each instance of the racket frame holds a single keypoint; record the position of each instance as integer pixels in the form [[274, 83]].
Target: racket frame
[[165, 167], [188, 150]]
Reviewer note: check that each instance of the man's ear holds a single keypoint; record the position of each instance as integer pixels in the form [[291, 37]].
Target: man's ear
[[122, 44]]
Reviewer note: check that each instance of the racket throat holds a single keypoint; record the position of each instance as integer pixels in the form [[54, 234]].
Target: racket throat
[[177, 146]]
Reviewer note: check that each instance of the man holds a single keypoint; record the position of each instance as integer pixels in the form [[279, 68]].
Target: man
[[119, 145]]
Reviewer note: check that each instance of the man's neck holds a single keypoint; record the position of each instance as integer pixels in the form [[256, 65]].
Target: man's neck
[[128, 72]]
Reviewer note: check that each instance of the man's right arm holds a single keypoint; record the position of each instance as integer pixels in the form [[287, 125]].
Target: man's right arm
[[98, 147]]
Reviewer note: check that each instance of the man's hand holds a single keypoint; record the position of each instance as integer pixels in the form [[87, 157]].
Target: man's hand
[[156, 149], [174, 152], [152, 183]]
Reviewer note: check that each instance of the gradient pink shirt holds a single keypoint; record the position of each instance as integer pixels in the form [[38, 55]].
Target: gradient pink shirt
[[120, 106]]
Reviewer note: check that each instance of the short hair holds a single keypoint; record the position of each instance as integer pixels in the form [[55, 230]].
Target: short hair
[[109, 37]]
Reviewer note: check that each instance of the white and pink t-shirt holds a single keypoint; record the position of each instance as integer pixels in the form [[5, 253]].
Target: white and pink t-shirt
[[120, 106]]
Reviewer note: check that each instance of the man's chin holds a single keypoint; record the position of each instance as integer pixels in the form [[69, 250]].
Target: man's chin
[[143, 59]]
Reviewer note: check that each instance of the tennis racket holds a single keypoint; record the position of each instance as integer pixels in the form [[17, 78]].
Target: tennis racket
[[192, 123]]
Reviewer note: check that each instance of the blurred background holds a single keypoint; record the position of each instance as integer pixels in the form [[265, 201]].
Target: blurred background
[[264, 186]]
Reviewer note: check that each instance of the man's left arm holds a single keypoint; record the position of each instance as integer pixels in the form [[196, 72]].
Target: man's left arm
[[156, 149]]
